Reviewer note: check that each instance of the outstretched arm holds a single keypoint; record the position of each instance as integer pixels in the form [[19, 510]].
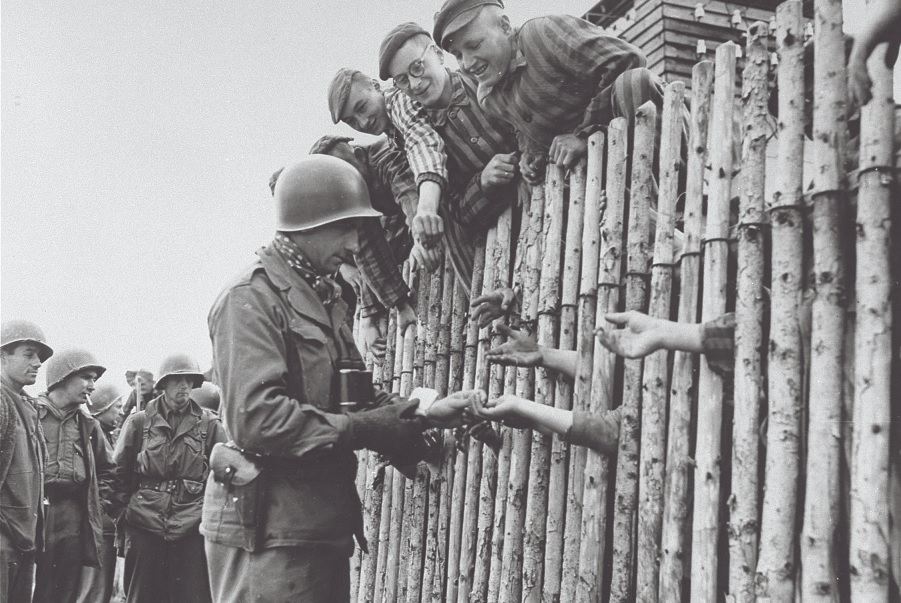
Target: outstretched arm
[[522, 350]]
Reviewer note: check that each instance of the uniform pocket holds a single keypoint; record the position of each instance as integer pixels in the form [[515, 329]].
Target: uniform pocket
[[312, 345]]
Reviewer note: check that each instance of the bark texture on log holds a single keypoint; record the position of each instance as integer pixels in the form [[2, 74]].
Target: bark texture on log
[[678, 461], [637, 276], [748, 386], [655, 378], [776, 564], [610, 264], [869, 554], [705, 525]]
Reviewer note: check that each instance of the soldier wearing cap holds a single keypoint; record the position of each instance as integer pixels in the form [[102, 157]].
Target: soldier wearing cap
[[77, 477], [281, 505], [162, 461], [97, 582], [23, 349]]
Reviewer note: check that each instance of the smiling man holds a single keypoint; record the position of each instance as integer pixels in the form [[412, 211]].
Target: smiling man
[[162, 461], [77, 477], [556, 79], [23, 349]]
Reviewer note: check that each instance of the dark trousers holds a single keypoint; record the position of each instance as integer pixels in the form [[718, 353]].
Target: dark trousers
[[97, 582], [165, 571], [16, 573], [58, 566], [313, 574]]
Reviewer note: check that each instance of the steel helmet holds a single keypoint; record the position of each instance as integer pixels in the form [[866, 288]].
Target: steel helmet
[[207, 395], [22, 331], [318, 190], [68, 362], [103, 397], [179, 364]]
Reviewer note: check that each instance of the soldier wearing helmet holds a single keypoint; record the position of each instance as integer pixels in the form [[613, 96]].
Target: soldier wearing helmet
[[78, 477], [162, 460], [23, 348], [281, 506]]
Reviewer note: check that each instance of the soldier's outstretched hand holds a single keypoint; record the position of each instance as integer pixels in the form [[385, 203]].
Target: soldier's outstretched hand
[[641, 336], [519, 349], [492, 305], [454, 410]]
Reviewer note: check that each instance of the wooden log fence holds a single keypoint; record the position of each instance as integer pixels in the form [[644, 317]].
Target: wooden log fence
[[767, 484]]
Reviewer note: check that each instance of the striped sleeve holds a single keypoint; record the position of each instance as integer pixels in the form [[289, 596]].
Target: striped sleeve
[[378, 266], [423, 145], [718, 343]]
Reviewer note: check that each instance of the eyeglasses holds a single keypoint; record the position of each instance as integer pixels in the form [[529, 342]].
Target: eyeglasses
[[417, 68]]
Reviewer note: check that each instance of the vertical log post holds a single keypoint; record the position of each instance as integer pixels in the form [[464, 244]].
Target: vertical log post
[[594, 497], [587, 312], [821, 503], [528, 256], [456, 380], [491, 516], [563, 394], [472, 377], [548, 309], [498, 276], [442, 484], [655, 382], [416, 514], [676, 481], [748, 386], [872, 397], [637, 268], [776, 564], [705, 526]]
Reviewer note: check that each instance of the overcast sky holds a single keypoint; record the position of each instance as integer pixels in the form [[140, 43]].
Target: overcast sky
[[137, 143]]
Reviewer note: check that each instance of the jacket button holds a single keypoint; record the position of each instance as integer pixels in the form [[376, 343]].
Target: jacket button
[[474, 139], [452, 113]]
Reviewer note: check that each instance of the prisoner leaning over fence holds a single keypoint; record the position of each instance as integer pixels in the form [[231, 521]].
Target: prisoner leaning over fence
[[97, 582], [162, 462], [358, 101], [78, 474], [481, 164], [392, 191], [556, 79], [23, 349], [281, 507]]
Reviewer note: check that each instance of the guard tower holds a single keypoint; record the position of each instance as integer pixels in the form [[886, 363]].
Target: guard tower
[[676, 34]]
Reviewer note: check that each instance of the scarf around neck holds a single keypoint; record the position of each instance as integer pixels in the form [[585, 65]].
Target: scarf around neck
[[325, 286]]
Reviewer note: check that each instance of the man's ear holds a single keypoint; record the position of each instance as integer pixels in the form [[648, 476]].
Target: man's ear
[[505, 25], [375, 84], [359, 153]]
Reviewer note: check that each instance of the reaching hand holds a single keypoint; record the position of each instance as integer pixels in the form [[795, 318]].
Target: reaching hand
[[532, 168], [427, 258], [567, 149], [406, 316], [352, 277], [371, 328], [510, 410], [427, 228], [453, 411], [641, 336], [519, 350], [499, 171], [491, 306]]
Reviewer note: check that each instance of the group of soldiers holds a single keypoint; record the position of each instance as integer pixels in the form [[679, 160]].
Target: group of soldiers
[[263, 505], [69, 465]]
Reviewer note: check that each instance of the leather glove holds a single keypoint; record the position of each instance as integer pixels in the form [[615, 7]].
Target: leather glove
[[392, 430]]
